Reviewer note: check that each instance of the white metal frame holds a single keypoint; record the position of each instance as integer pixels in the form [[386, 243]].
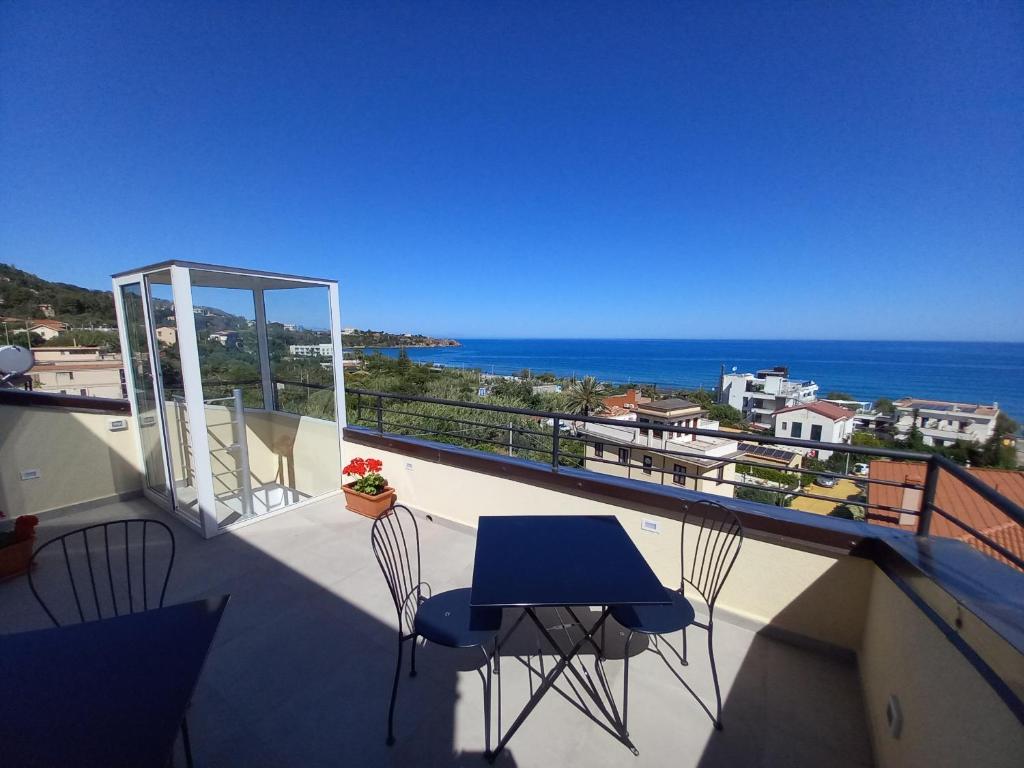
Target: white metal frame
[[181, 290]]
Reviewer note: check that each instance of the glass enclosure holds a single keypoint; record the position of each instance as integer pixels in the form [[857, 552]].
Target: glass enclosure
[[236, 382]]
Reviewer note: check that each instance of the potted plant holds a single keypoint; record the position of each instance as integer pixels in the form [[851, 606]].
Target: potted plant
[[369, 494], [16, 546]]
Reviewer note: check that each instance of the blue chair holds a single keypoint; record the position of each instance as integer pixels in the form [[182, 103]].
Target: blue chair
[[445, 619], [719, 537]]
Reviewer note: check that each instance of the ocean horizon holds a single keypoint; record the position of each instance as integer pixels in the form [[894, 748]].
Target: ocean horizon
[[962, 371]]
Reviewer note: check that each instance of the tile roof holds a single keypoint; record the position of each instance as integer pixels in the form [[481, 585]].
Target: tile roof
[[820, 407], [670, 404], [630, 398], [56, 325], [957, 499]]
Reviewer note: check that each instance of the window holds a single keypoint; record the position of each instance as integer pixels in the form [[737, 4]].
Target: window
[[785, 426], [798, 429], [643, 430], [657, 432], [599, 450], [679, 474], [648, 463], [623, 455], [815, 431]]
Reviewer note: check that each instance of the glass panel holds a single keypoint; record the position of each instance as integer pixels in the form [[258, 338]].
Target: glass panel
[[179, 445], [144, 386], [303, 437]]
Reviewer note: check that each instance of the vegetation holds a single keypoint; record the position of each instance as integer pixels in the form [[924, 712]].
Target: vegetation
[[584, 397], [22, 295], [775, 498], [848, 512]]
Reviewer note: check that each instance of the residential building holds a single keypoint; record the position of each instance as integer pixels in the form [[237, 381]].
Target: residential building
[[546, 389], [167, 335], [783, 459], [645, 446], [89, 378], [758, 395], [819, 421], [950, 494], [943, 423], [226, 338], [72, 354], [629, 400], [311, 350], [48, 329], [47, 310]]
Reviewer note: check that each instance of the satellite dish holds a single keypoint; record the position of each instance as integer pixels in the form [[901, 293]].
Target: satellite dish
[[14, 361], [734, 369]]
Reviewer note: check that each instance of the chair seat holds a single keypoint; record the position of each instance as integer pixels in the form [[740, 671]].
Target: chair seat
[[656, 619], [447, 619]]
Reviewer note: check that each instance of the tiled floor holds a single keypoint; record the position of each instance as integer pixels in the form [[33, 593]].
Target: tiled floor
[[300, 674]]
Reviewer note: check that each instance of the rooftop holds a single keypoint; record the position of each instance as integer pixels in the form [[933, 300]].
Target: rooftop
[[668, 404], [828, 410], [943, 405]]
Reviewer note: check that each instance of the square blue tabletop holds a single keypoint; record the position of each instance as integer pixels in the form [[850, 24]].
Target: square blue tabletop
[[533, 560]]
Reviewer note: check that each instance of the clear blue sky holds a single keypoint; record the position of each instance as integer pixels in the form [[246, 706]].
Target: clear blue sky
[[810, 170]]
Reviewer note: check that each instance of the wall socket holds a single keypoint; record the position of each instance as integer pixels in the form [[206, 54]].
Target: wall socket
[[118, 425], [650, 526], [408, 466], [30, 474]]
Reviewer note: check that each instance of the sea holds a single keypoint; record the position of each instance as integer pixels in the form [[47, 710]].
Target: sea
[[969, 372]]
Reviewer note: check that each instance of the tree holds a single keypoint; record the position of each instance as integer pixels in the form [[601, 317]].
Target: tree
[[848, 512], [884, 405], [584, 396], [726, 416], [839, 396]]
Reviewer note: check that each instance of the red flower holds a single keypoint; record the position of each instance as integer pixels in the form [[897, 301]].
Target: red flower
[[24, 527], [355, 467], [374, 465]]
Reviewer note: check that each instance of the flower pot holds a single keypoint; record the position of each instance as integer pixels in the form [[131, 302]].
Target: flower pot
[[366, 505], [14, 558]]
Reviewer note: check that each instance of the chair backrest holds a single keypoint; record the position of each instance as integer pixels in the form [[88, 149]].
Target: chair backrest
[[719, 535], [103, 570], [395, 539]]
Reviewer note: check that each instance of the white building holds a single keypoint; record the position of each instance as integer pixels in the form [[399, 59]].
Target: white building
[[225, 338], [640, 450], [758, 395], [311, 350], [942, 423], [819, 421]]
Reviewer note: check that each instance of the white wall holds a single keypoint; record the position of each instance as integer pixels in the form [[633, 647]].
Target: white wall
[[838, 431]]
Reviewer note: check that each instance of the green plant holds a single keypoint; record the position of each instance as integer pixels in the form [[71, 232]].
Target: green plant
[[585, 396]]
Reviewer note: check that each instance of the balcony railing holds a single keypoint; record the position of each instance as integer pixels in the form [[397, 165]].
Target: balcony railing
[[560, 440]]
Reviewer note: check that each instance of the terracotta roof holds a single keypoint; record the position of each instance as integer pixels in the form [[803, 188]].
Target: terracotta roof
[[55, 325], [630, 399], [820, 407], [955, 498]]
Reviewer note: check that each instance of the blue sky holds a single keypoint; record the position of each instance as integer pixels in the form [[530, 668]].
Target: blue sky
[[479, 169]]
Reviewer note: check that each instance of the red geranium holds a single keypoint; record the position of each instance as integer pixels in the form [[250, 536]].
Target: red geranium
[[370, 480], [24, 527]]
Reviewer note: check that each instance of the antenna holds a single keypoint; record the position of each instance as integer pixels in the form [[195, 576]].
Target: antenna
[[15, 361]]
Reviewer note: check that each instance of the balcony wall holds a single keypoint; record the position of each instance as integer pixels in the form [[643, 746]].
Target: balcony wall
[[79, 459]]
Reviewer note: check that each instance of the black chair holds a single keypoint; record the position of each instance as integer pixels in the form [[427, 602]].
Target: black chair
[[109, 569], [445, 619], [719, 537]]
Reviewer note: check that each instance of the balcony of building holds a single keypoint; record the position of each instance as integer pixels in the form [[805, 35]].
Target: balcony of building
[[826, 624]]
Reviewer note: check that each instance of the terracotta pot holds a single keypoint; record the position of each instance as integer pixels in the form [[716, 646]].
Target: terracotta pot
[[366, 505], [14, 558]]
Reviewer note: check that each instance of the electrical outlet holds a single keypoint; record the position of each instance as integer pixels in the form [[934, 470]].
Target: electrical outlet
[[650, 526], [408, 466], [30, 474], [118, 425]]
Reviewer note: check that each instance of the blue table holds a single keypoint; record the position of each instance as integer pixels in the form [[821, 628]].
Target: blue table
[[105, 693], [535, 561]]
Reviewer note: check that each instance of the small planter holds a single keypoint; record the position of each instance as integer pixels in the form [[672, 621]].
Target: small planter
[[14, 558], [366, 505]]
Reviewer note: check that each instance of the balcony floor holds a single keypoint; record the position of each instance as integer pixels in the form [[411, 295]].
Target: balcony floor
[[301, 670]]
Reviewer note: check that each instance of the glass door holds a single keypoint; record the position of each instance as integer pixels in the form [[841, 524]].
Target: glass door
[[143, 382]]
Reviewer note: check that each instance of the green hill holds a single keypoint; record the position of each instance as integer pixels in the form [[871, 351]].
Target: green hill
[[22, 293]]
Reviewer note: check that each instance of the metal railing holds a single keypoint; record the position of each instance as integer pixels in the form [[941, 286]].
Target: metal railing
[[563, 441]]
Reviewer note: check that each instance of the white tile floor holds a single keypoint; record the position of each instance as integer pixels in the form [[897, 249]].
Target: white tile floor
[[300, 673]]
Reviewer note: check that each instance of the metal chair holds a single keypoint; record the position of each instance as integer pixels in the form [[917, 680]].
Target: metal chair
[[446, 619], [719, 537], [99, 574]]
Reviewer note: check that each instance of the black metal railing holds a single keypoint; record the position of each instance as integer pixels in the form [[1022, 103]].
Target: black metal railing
[[567, 441]]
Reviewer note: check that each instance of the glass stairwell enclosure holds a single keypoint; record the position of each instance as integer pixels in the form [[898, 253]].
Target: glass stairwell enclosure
[[236, 387]]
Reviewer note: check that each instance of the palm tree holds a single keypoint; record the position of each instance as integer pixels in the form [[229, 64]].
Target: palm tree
[[584, 396]]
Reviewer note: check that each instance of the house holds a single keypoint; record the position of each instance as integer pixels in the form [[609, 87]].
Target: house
[[90, 378], [167, 335], [646, 448], [943, 423], [48, 329], [628, 400], [758, 395], [72, 354], [226, 338], [546, 389], [47, 310], [311, 350], [782, 459], [819, 421], [950, 494]]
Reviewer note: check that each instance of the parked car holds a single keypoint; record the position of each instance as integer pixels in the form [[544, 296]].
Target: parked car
[[827, 481], [860, 469]]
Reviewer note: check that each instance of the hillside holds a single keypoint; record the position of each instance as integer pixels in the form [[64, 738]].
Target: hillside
[[22, 293]]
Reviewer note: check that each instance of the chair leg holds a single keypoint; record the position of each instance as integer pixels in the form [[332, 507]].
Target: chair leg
[[714, 676], [625, 687], [394, 696], [685, 662], [497, 655], [186, 742], [412, 672], [487, 702]]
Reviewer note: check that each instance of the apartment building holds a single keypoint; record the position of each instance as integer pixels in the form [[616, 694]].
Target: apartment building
[[820, 421], [758, 395], [311, 350], [167, 335], [87, 371], [943, 423], [645, 448]]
